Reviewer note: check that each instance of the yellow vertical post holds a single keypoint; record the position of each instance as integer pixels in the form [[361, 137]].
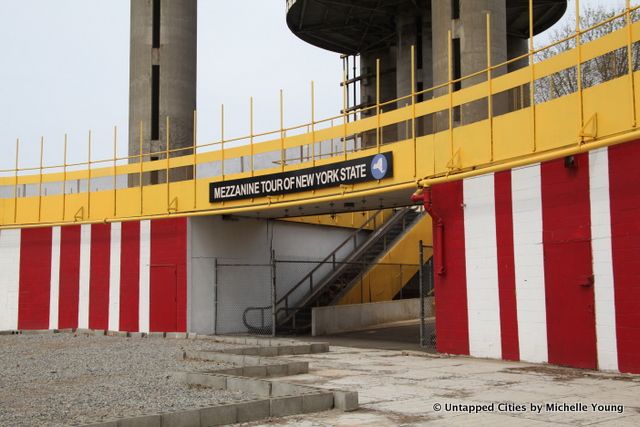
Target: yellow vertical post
[[64, 180], [195, 159], [579, 72], [629, 22], [115, 176], [532, 82], [344, 114], [89, 178], [490, 86], [222, 140], [378, 130], [251, 133], [40, 179], [15, 183], [282, 152], [168, 155], [450, 85], [413, 111], [313, 123], [140, 160]]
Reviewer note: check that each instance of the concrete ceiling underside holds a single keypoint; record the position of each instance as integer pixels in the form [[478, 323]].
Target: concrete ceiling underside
[[392, 198], [361, 26]]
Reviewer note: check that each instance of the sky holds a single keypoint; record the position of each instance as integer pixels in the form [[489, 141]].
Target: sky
[[65, 69]]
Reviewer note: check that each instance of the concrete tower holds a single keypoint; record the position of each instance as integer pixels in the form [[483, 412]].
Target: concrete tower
[[163, 79], [386, 30]]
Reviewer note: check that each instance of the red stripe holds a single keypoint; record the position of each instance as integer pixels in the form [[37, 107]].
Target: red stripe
[[129, 276], [624, 180], [35, 278], [506, 267], [450, 286], [168, 276], [99, 276], [566, 222], [69, 277]]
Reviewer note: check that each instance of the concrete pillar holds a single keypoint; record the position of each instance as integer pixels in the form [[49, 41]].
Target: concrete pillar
[[441, 24], [471, 30], [407, 36], [162, 79], [387, 89]]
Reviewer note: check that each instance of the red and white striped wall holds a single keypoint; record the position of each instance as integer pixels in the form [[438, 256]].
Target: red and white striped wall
[[542, 263], [121, 277]]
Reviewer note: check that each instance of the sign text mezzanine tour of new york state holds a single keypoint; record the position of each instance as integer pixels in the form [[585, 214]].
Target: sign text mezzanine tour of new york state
[[349, 172]]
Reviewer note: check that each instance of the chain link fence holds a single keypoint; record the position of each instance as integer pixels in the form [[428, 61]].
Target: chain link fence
[[244, 298], [277, 297], [427, 301]]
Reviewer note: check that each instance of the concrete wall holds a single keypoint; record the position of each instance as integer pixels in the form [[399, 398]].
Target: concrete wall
[[250, 241], [345, 318]]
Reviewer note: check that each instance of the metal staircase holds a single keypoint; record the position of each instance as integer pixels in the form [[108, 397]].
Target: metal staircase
[[294, 317]]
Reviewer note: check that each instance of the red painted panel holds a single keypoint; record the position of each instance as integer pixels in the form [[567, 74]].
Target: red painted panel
[[168, 276], [99, 276], [130, 276], [35, 278], [568, 265], [452, 329], [69, 277], [624, 180], [506, 267]]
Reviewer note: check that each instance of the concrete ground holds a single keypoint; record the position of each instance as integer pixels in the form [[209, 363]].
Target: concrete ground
[[403, 335], [415, 388]]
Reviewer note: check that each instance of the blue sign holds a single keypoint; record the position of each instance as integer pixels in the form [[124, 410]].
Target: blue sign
[[379, 166]]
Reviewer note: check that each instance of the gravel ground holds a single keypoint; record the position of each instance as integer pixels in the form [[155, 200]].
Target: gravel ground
[[63, 379]]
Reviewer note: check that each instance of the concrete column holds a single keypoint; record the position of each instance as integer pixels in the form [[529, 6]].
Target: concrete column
[[173, 57], [387, 88], [473, 47], [441, 24], [471, 30], [406, 26]]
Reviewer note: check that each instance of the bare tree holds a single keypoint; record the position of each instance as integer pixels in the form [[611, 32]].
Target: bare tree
[[595, 71]]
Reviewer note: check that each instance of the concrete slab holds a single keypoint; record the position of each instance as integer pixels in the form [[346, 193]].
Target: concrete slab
[[251, 411], [145, 421], [284, 406], [181, 419], [397, 388], [219, 415]]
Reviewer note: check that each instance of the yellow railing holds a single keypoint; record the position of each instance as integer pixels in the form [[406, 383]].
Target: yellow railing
[[102, 190]]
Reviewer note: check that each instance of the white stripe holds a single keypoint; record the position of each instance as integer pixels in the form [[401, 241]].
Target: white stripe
[[54, 298], [85, 274], [114, 277], [9, 278], [145, 261], [602, 260], [481, 257], [529, 264]]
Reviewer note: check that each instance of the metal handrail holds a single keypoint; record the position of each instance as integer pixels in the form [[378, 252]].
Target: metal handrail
[[332, 256], [313, 292], [309, 276]]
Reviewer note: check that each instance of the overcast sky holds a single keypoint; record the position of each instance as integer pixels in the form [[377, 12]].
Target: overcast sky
[[65, 68]]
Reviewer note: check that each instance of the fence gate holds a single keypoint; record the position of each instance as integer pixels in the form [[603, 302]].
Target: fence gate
[[244, 295], [427, 302]]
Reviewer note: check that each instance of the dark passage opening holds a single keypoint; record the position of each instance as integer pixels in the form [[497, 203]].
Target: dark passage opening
[[156, 24], [455, 9], [155, 102], [457, 65]]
